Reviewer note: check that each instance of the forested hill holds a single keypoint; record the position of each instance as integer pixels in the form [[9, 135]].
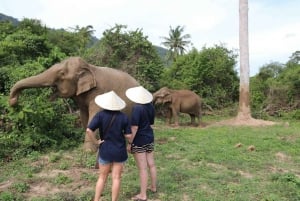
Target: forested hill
[[8, 18], [160, 50]]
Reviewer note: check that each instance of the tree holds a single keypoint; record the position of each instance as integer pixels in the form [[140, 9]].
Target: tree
[[129, 51], [260, 86], [210, 73], [26, 42], [244, 112], [295, 58], [84, 35], [176, 42]]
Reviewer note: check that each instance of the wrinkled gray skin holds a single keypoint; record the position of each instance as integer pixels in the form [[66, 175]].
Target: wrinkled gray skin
[[76, 79], [176, 101]]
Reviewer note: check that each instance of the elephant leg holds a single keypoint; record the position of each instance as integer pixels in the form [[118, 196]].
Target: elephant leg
[[175, 116], [168, 116], [193, 119], [88, 144]]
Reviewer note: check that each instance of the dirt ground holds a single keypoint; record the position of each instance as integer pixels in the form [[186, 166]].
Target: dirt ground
[[45, 183], [245, 122]]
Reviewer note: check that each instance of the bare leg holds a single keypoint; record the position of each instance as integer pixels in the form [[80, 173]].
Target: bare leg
[[141, 161], [103, 174], [152, 168], [116, 180]]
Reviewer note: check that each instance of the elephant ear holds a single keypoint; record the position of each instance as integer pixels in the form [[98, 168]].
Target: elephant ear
[[86, 80], [167, 99]]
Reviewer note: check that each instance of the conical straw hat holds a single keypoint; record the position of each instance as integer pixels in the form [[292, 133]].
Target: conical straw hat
[[139, 95], [110, 101]]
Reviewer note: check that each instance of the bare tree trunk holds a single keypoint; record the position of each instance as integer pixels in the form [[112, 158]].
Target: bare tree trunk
[[244, 112]]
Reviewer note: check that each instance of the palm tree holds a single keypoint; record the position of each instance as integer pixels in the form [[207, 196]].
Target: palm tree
[[84, 35], [244, 114], [176, 42]]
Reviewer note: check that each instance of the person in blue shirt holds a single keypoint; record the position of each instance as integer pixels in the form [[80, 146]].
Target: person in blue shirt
[[142, 146], [114, 128]]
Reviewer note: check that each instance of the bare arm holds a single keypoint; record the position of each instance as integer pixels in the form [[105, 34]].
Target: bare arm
[[131, 137], [128, 138], [133, 131], [92, 137]]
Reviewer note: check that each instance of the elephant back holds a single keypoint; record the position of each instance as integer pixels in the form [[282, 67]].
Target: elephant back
[[113, 79]]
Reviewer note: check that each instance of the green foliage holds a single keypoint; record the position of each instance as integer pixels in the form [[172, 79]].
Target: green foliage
[[21, 187], [37, 124], [89, 177], [275, 89], [27, 42], [261, 83], [6, 28], [9, 196], [62, 179], [30, 40], [71, 43], [54, 157], [209, 72], [129, 51]]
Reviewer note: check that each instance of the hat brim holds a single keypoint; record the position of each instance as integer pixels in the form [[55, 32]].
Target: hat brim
[[139, 95], [110, 101]]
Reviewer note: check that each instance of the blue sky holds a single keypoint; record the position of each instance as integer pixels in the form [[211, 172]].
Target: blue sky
[[274, 25]]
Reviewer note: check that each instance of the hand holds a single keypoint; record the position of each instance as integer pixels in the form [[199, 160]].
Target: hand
[[129, 148]]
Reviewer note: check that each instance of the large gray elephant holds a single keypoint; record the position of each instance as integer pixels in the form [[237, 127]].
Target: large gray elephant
[[176, 101], [74, 78]]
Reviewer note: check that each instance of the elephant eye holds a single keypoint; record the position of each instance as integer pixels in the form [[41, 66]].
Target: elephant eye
[[61, 74]]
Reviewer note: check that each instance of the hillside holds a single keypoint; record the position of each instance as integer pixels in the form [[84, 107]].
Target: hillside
[[9, 18], [160, 50]]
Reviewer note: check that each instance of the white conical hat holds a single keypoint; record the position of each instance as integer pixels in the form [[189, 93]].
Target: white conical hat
[[110, 101], [139, 95]]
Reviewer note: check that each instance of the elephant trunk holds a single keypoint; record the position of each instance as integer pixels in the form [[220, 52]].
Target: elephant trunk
[[154, 98], [41, 80]]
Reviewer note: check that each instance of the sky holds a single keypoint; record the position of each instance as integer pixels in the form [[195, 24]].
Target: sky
[[274, 25]]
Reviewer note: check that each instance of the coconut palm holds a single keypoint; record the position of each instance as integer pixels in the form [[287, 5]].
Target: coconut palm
[[84, 35], [176, 42], [244, 113]]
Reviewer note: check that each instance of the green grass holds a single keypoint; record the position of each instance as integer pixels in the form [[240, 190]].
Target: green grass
[[193, 164]]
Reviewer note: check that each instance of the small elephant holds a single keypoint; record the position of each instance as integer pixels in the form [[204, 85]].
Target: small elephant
[[76, 79], [184, 101]]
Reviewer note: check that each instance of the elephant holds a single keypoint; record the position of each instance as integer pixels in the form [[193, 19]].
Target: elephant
[[76, 79], [184, 101]]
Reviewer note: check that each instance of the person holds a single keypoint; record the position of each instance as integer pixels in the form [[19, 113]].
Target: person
[[142, 147], [114, 128]]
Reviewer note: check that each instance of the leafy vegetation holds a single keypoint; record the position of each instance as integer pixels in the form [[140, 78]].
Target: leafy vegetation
[[210, 73], [275, 89]]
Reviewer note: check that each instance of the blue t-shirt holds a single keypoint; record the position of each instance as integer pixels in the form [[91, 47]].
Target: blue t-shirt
[[143, 116], [114, 146]]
